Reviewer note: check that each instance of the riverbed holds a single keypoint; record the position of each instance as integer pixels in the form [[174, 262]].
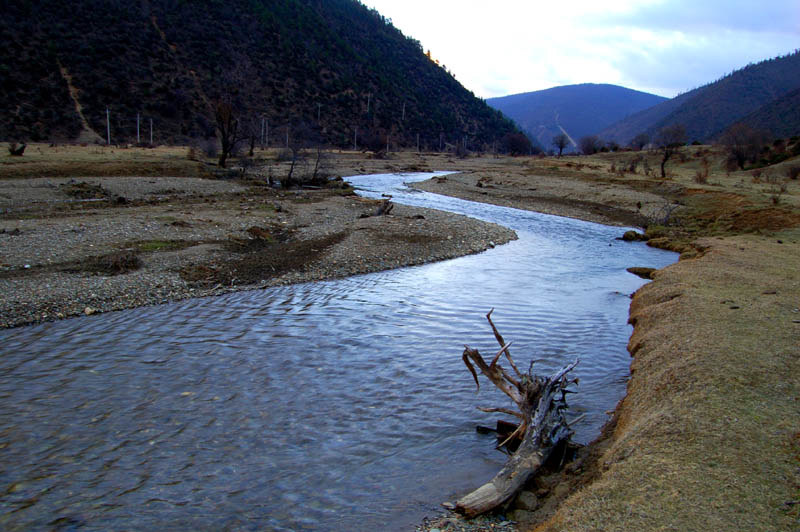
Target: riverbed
[[324, 406]]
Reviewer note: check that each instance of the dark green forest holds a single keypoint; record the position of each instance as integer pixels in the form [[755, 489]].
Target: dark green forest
[[321, 67]]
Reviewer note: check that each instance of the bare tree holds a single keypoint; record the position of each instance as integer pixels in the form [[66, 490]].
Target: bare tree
[[668, 140], [589, 145], [228, 130], [743, 143], [640, 141], [561, 141]]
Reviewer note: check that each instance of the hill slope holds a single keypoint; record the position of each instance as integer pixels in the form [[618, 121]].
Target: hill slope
[[707, 111], [330, 67], [579, 109], [780, 117]]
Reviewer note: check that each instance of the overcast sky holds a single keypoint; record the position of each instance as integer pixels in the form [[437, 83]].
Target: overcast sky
[[661, 46]]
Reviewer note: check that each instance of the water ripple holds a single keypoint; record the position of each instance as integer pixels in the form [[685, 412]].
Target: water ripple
[[327, 406]]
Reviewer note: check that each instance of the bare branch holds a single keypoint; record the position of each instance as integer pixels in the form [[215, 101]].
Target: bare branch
[[502, 411], [502, 343]]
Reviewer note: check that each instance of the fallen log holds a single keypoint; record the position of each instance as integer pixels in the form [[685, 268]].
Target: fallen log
[[541, 402]]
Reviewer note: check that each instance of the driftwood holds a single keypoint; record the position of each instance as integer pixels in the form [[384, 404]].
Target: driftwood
[[385, 207], [542, 423]]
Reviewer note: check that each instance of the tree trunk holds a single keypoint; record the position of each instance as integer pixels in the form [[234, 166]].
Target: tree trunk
[[547, 429], [541, 403]]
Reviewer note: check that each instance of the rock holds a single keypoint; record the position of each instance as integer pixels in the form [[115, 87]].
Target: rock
[[89, 311], [526, 500], [521, 516], [644, 273], [634, 236]]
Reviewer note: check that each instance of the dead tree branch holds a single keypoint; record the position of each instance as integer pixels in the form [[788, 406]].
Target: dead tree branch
[[541, 403]]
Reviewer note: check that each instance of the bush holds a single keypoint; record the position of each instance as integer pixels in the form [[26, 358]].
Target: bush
[[701, 175], [589, 144], [16, 149], [793, 171], [517, 144]]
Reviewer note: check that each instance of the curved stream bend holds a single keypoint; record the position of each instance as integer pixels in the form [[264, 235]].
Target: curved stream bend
[[326, 406]]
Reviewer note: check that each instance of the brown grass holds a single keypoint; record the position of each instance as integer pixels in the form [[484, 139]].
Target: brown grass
[[705, 434], [41, 160]]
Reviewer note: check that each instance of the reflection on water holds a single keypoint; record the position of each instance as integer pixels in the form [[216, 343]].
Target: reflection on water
[[325, 406]]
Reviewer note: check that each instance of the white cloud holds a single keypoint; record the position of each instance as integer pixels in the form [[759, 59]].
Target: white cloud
[[657, 46]]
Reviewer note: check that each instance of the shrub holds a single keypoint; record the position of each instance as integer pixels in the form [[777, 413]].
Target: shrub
[[793, 171], [517, 144], [589, 144], [16, 149]]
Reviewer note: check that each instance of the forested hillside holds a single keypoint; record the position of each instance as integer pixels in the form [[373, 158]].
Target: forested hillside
[[706, 112], [579, 109], [327, 68], [780, 117]]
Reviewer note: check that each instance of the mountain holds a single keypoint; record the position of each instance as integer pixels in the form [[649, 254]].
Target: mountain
[[578, 110], [324, 67], [780, 117], [707, 111]]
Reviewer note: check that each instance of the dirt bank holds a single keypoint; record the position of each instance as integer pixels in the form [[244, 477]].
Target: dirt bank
[[708, 435]]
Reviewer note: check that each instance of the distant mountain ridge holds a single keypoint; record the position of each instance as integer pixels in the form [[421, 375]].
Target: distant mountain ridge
[[578, 110], [332, 67], [748, 94]]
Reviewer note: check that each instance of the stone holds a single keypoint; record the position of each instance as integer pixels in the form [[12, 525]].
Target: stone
[[633, 236], [526, 500], [89, 311]]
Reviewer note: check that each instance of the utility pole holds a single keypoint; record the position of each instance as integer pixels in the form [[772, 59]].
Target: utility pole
[[151, 132], [417, 142], [108, 127], [287, 135], [138, 138], [355, 139]]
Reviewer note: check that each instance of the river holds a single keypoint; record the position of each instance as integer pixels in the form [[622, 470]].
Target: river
[[339, 405]]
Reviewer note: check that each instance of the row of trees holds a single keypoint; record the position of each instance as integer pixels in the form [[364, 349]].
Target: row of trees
[[232, 131], [667, 140], [743, 143]]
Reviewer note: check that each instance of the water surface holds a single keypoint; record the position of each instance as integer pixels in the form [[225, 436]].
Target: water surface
[[340, 405]]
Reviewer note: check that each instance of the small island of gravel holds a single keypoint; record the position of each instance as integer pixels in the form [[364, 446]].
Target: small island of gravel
[[74, 246]]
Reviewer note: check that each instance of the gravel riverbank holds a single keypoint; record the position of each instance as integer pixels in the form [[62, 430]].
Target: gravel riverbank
[[81, 246]]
